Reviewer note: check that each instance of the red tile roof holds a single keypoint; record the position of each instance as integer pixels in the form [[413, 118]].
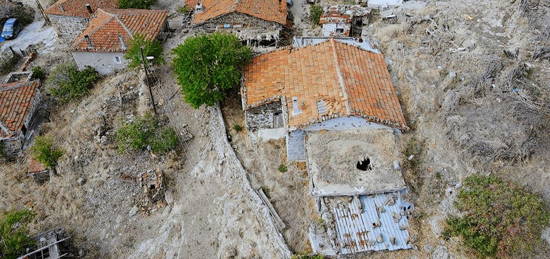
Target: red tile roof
[[15, 104], [349, 81], [108, 24], [269, 10], [78, 7]]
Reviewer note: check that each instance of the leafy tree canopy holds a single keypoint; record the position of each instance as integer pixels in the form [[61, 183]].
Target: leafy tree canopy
[[151, 48], [207, 66]]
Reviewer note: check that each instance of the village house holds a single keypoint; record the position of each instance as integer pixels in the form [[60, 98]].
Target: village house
[[330, 85], [70, 17], [255, 22], [103, 43], [338, 93], [344, 20], [19, 102]]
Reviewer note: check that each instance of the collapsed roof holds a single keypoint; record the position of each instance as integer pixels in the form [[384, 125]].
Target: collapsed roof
[[111, 29], [268, 10], [354, 162], [327, 80]]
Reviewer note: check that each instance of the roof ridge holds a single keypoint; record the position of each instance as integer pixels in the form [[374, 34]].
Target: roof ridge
[[124, 27], [97, 28], [341, 80]]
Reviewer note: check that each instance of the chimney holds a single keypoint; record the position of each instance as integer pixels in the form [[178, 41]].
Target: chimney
[[122, 44], [199, 8], [62, 8], [89, 8], [88, 41]]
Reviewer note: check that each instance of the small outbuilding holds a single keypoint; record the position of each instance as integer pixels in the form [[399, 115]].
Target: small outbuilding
[[19, 102]]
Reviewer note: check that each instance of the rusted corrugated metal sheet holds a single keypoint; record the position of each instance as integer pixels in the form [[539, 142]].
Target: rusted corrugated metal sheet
[[373, 223]]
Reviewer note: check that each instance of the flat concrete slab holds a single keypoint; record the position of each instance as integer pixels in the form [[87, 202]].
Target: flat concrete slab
[[354, 162]]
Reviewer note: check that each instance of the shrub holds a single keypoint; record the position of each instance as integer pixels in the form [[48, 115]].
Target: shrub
[[282, 168], [315, 12], [208, 66], [45, 152], [23, 14], [150, 48], [237, 127], [136, 4], [8, 63], [38, 73], [143, 132], [166, 140], [70, 84], [500, 218], [14, 236]]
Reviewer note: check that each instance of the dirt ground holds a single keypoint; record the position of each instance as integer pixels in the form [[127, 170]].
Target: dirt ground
[[476, 108], [287, 191]]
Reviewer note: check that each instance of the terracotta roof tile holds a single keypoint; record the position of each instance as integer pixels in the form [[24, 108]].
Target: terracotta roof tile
[[78, 7], [15, 104], [269, 10], [108, 24], [350, 81]]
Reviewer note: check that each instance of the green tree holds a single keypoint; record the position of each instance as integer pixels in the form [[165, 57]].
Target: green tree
[[66, 83], [498, 218], [207, 66], [45, 152], [315, 12], [136, 4], [14, 236], [150, 48]]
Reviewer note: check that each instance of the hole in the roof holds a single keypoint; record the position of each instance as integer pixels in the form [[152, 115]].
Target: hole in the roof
[[364, 164]]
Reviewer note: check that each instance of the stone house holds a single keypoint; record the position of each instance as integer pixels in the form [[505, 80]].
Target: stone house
[[103, 43], [256, 22], [19, 102], [331, 85], [334, 102], [70, 17]]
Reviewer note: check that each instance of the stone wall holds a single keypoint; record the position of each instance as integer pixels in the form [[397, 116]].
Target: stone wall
[[244, 26], [104, 63], [267, 116], [68, 27], [226, 153]]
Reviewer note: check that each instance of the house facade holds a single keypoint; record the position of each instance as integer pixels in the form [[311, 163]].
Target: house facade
[[19, 102], [70, 17], [103, 43], [256, 23]]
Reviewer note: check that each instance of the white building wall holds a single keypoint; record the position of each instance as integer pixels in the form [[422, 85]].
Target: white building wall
[[105, 63]]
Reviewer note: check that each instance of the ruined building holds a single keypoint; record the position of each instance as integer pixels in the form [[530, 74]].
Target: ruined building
[[103, 43], [18, 104], [70, 17], [339, 93], [255, 22], [344, 20]]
